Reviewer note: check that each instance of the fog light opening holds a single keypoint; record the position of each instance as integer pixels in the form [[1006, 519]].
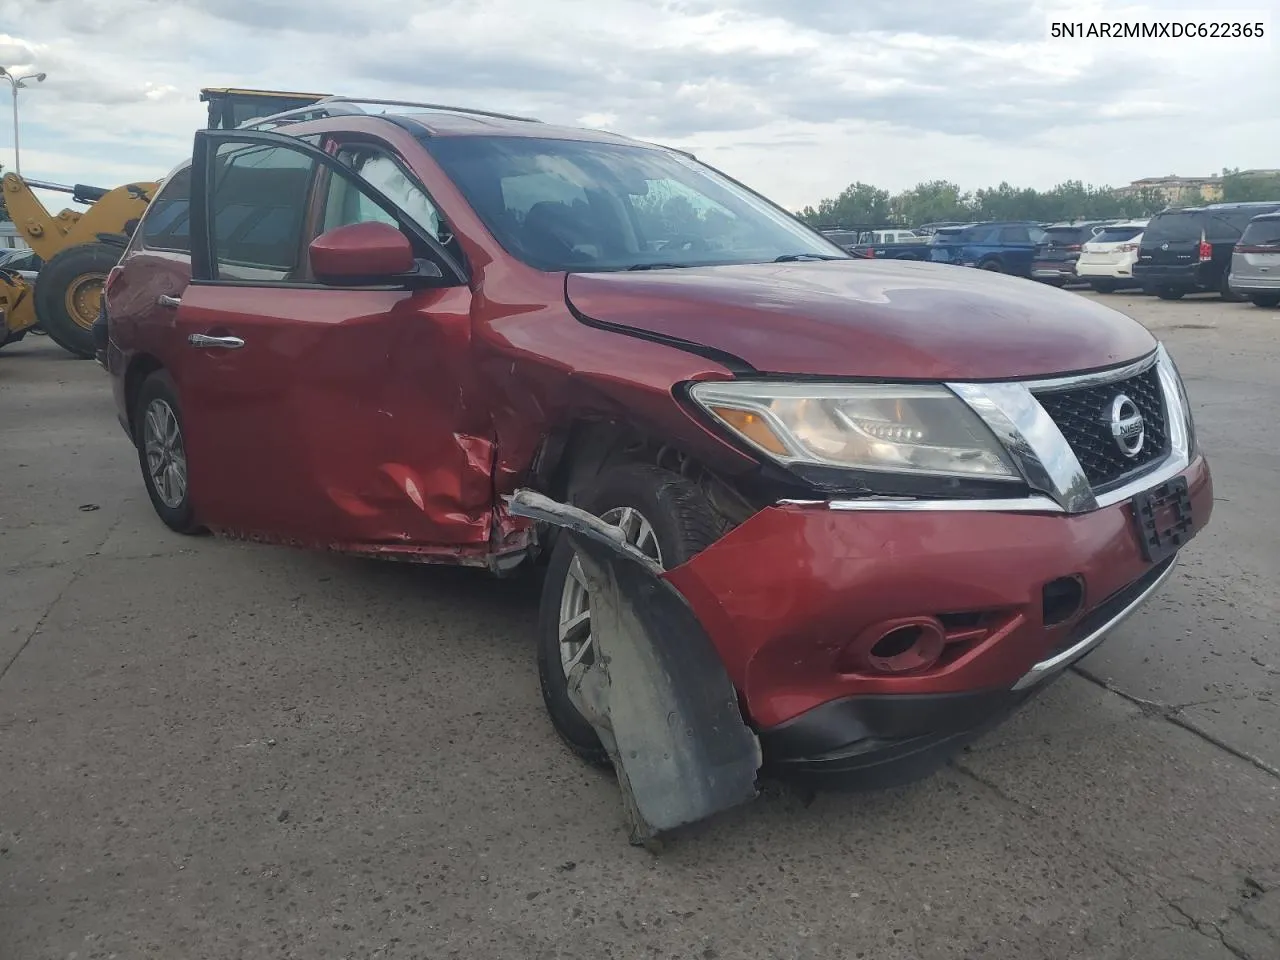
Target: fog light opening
[[896, 642], [1062, 600], [906, 645]]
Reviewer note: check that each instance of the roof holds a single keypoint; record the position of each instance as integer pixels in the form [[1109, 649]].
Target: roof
[[439, 120], [1245, 205], [439, 123]]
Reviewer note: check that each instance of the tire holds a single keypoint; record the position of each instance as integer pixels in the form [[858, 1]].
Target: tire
[[992, 265], [1267, 300], [1103, 286], [157, 395], [1170, 293], [7, 338], [683, 525], [1225, 291], [69, 292]]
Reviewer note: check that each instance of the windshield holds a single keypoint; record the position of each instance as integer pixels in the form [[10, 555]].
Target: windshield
[[584, 206]]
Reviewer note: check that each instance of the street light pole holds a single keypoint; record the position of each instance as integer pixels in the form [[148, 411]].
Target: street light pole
[[16, 84]]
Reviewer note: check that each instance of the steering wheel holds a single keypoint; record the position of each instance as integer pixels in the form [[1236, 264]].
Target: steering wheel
[[689, 243]]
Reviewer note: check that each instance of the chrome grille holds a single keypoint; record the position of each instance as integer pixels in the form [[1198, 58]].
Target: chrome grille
[[1083, 414]]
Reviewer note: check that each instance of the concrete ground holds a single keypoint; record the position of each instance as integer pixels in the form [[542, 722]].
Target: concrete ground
[[217, 750]]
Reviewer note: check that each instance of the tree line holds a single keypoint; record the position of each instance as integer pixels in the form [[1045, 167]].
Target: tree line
[[940, 200]]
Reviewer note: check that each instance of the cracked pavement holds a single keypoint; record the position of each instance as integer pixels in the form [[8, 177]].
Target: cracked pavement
[[224, 750]]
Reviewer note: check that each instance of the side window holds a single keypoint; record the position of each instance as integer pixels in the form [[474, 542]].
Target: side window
[[166, 224], [258, 205], [1227, 227], [1015, 234], [347, 204]]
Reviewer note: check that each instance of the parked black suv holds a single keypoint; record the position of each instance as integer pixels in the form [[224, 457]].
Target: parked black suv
[[1189, 250], [1054, 261]]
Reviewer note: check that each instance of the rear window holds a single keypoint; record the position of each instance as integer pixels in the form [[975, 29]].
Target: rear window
[[947, 235], [1116, 234], [1062, 235], [1262, 231], [1220, 228], [1174, 226], [984, 234], [165, 225]]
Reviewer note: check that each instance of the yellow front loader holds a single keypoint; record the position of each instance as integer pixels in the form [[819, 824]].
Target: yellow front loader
[[79, 247]]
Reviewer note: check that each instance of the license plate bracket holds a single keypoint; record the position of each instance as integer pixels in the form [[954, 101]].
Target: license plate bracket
[[1163, 518]]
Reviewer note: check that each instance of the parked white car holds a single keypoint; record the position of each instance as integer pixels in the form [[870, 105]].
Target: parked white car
[[1106, 262]]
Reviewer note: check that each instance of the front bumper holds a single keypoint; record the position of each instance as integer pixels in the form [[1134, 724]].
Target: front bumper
[[784, 624]]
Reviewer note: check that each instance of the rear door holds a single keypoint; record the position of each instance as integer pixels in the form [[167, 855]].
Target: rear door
[[1258, 252], [317, 414], [1057, 246], [1017, 244], [1223, 229], [1172, 239]]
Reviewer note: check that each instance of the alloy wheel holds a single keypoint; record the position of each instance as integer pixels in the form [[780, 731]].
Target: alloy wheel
[[576, 644], [165, 453]]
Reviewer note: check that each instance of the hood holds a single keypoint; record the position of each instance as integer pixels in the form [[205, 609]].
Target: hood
[[889, 319]]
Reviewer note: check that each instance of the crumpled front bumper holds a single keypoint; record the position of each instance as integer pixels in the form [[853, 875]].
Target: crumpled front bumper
[[785, 596], [765, 618]]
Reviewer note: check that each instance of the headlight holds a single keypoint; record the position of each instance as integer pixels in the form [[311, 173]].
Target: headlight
[[901, 428], [1180, 392]]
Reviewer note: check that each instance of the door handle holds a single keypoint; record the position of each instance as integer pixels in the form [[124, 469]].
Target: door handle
[[227, 343], [167, 301]]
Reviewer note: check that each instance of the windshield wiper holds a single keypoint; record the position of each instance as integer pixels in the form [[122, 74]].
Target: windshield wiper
[[792, 257], [657, 266]]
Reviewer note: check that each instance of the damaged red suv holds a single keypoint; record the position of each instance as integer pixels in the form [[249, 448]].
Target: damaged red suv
[[796, 512]]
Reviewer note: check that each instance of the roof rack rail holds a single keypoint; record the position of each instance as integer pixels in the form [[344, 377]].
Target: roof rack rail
[[353, 106], [371, 101]]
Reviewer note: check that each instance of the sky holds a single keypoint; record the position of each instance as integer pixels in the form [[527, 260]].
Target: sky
[[797, 98]]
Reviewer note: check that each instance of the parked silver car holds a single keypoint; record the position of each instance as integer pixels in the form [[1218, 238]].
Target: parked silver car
[[1255, 261]]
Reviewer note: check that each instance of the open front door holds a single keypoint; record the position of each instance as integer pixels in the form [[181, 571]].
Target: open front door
[[324, 414]]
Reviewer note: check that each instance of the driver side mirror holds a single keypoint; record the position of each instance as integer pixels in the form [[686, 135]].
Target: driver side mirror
[[365, 253]]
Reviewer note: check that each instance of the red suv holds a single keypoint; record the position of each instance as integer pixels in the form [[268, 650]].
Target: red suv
[[823, 516]]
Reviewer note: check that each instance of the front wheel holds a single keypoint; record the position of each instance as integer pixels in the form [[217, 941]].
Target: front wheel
[[1267, 300], [1103, 286], [1170, 293], [666, 517], [991, 265], [162, 452]]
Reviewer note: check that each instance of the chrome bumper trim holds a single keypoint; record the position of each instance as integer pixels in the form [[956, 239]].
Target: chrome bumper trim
[[1009, 505], [1069, 656]]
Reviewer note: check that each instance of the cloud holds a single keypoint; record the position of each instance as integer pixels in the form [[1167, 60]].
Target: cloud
[[797, 99]]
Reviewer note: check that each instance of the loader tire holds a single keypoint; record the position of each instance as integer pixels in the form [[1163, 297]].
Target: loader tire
[[69, 294]]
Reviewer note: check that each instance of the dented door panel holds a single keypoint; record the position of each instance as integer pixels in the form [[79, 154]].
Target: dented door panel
[[347, 419]]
